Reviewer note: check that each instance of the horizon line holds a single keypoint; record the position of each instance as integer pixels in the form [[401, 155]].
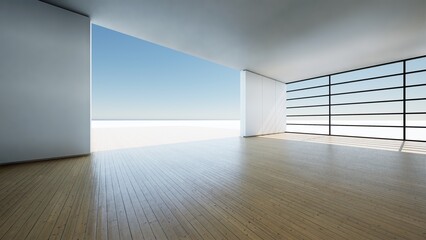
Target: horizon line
[[103, 119]]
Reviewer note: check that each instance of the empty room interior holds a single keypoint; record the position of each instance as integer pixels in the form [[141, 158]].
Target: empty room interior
[[331, 135]]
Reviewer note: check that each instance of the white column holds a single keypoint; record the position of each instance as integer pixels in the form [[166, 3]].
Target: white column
[[262, 105]]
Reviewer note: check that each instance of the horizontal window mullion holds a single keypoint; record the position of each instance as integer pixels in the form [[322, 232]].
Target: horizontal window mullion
[[322, 134], [357, 69], [415, 99], [308, 115], [366, 125], [415, 126], [307, 88], [322, 95], [355, 103], [307, 79], [417, 71], [353, 136], [351, 125], [309, 124], [369, 90], [367, 79], [409, 113], [414, 58], [416, 85], [364, 114], [308, 106], [409, 140]]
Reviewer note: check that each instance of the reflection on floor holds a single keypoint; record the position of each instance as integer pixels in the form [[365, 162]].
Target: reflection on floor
[[233, 188], [113, 135], [391, 145]]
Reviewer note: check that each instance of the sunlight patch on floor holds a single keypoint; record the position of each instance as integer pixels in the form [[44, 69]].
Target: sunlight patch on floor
[[390, 145]]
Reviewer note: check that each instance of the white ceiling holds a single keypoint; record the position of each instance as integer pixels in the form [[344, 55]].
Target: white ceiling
[[284, 39]]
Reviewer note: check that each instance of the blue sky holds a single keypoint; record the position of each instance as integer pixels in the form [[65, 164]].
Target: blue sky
[[135, 79]]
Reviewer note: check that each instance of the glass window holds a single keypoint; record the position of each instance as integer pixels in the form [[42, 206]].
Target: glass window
[[308, 120], [383, 119], [393, 94], [307, 129], [395, 81], [307, 83], [379, 120], [416, 92], [307, 101], [376, 132], [307, 110], [388, 69], [308, 92], [416, 120], [416, 106], [416, 64], [390, 107], [416, 78], [418, 134]]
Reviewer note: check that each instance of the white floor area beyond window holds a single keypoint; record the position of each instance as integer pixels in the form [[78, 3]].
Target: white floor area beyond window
[[113, 135]]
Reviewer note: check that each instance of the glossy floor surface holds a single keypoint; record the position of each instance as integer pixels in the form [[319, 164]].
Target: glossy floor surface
[[234, 188], [383, 144]]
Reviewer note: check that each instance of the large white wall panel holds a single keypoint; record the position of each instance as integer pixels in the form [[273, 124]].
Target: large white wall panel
[[44, 82], [262, 105], [268, 106], [251, 104], [280, 98]]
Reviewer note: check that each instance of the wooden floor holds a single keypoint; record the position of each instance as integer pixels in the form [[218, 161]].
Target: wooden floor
[[382, 144], [235, 188]]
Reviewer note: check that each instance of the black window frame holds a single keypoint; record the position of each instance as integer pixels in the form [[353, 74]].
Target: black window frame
[[404, 113]]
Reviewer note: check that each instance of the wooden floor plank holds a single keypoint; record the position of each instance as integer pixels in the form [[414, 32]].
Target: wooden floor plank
[[22, 188], [58, 218], [189, 222], [171, 226], [254, 194], [126, 209], [235, 188], [112, 216], [27, 213], [87, 216], [102, 212], [138, 223], [193, 211], [24, 215], [229, 204], [154, 224], [50, 203]]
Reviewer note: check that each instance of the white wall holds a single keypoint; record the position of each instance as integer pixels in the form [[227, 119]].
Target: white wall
[[44, 82], [262, 105]]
